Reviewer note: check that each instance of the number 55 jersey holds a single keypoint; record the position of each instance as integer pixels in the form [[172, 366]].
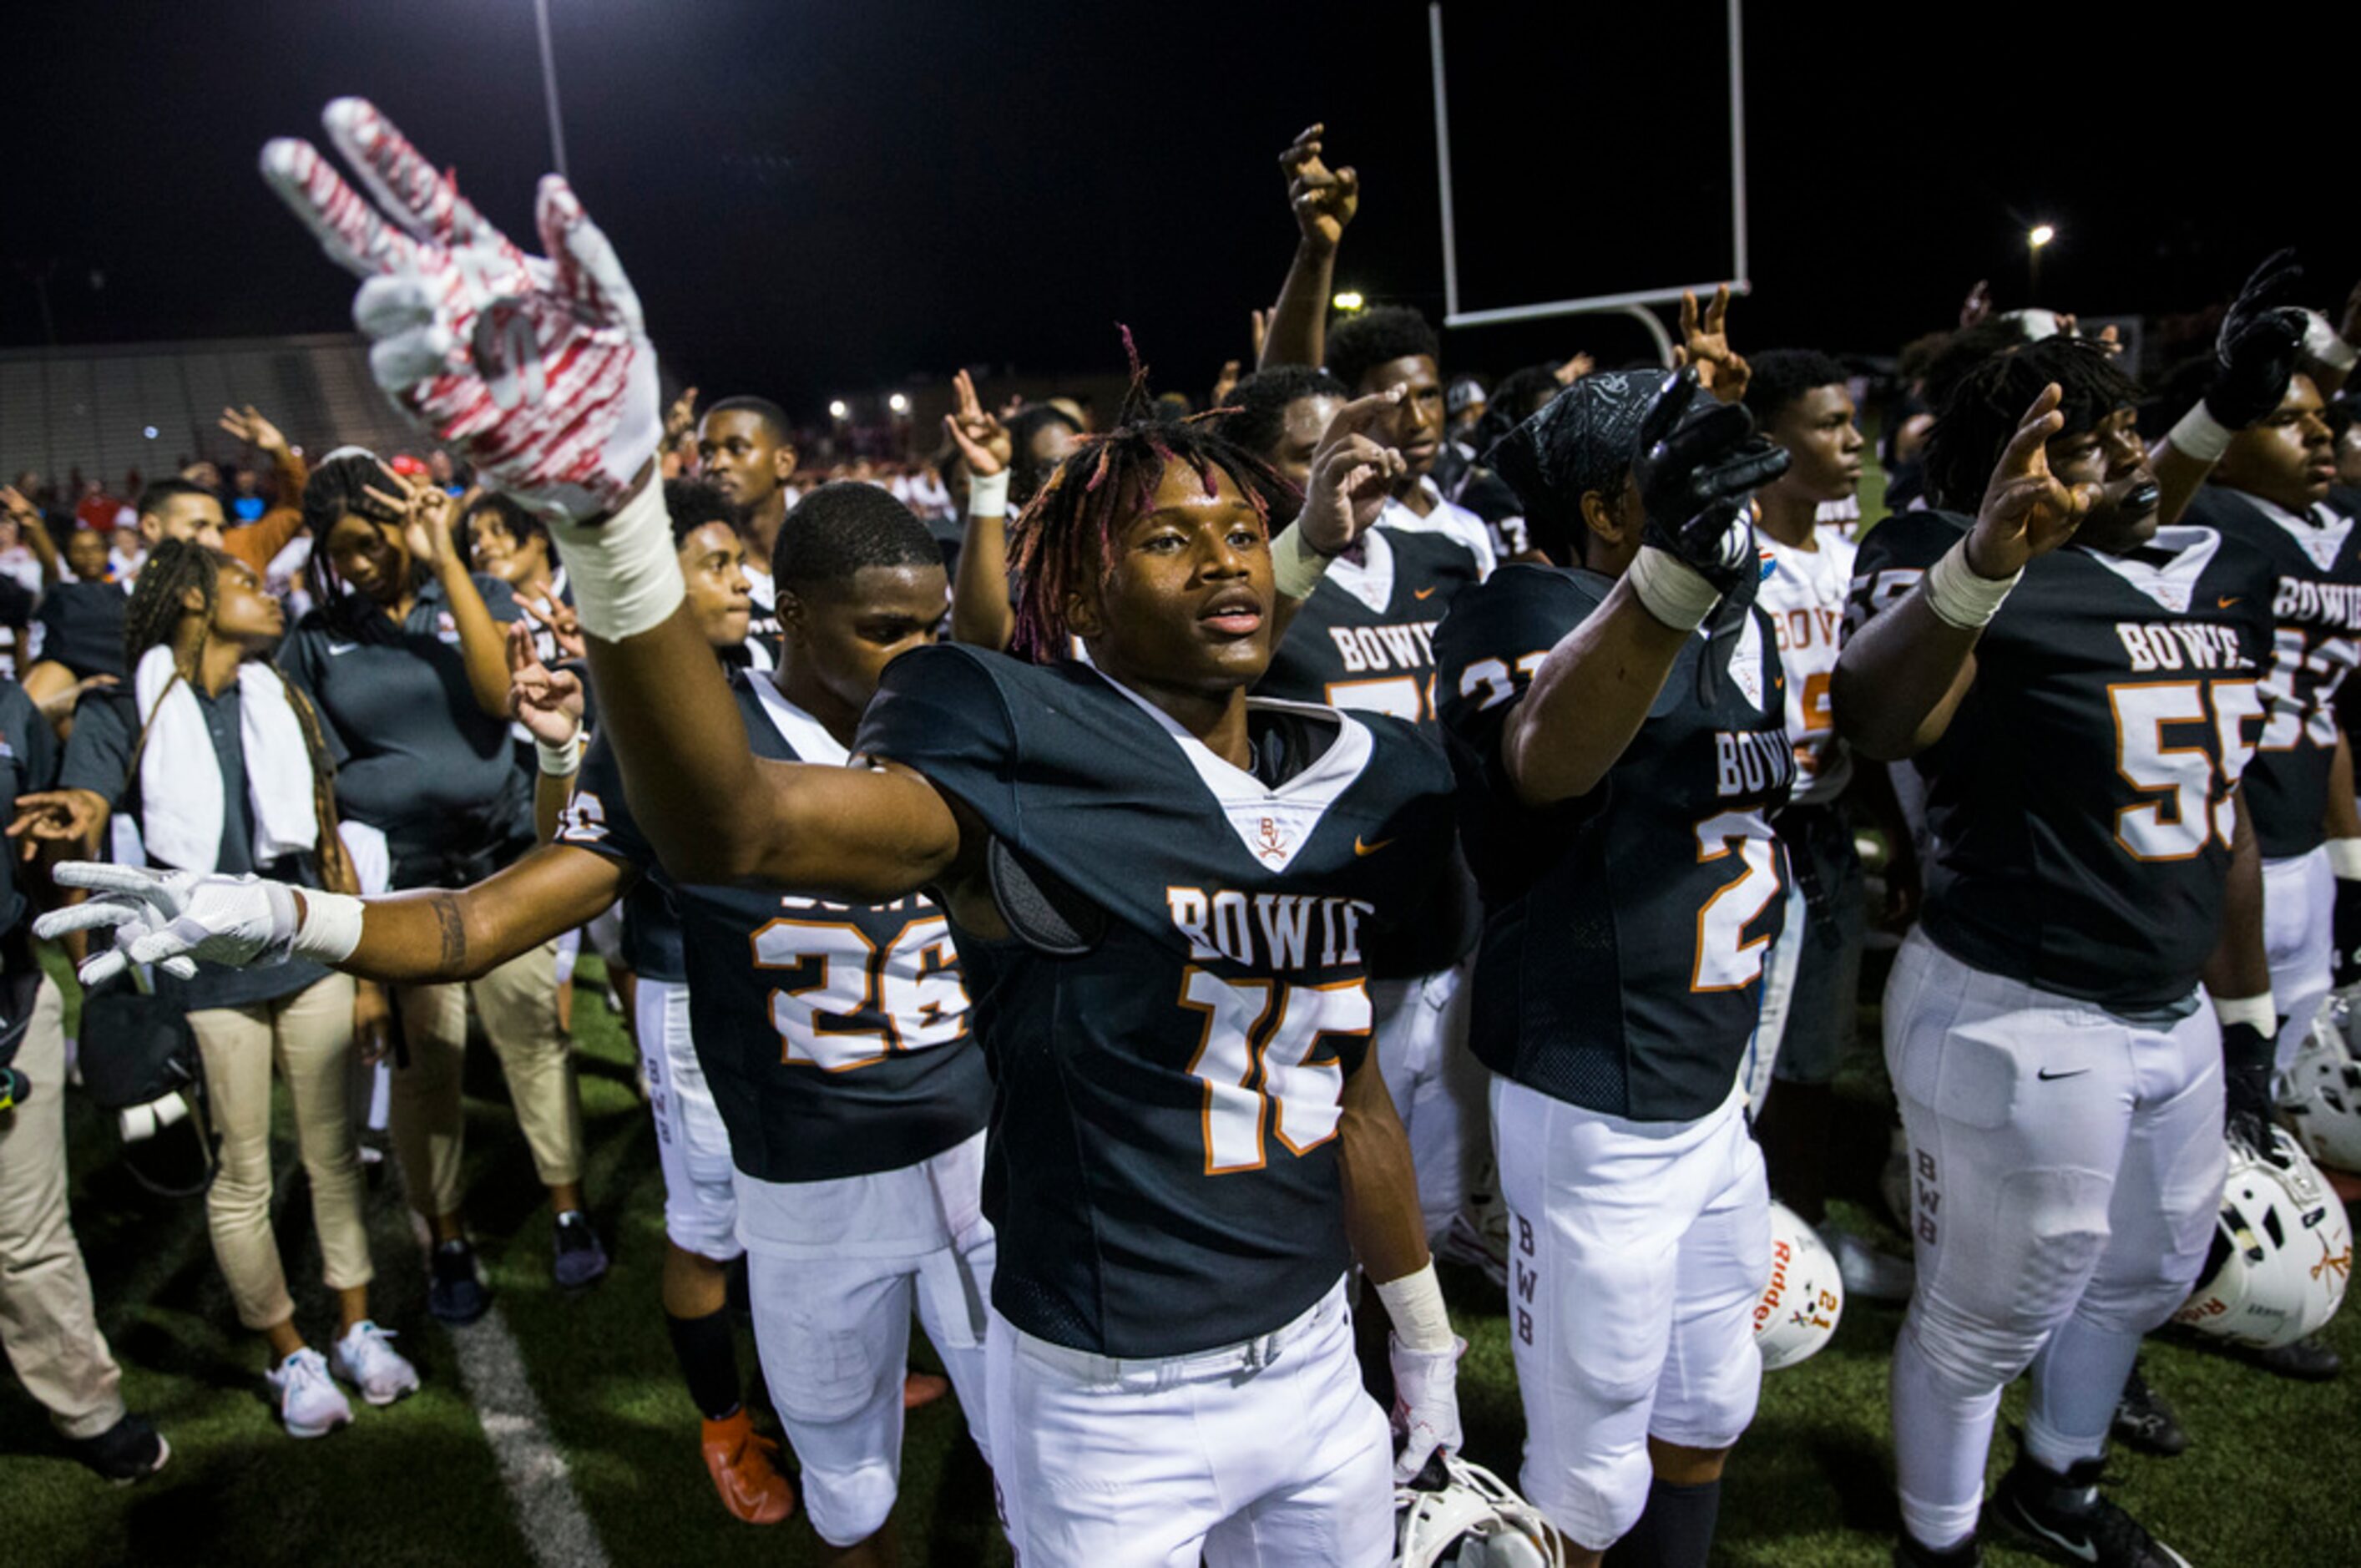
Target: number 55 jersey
[[1624, 932], [2080, 805], [1170, 1051]]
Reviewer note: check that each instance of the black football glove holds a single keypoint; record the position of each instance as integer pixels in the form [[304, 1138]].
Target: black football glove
[[2247, 1057], [2344, 963], [2256, 351], [1696, 464]]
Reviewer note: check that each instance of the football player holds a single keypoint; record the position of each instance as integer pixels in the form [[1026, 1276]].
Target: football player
[[1618, 728], [2274, 488], [1366, 639], [746, 449], [2077, 685], [1811, 991], [1389, 345], [1161, 891]]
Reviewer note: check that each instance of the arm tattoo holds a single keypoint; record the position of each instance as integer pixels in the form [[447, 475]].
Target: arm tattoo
[[453, 927]]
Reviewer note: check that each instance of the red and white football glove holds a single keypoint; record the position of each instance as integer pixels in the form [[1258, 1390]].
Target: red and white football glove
[[538, 369]]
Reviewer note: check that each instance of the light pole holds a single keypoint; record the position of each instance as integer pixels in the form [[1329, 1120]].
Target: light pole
[[2036, 239], [549, 88]]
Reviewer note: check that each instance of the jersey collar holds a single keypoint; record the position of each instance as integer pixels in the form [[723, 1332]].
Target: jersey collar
[[1273, 823], [805, 735], [1372, 581], [2174, 584], [2320, 535]]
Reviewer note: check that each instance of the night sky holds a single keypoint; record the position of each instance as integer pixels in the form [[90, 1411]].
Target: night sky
[[816, 199]]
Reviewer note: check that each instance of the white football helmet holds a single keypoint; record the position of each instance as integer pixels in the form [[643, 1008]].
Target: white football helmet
[[1472, 1521], [2282, 1251], [1800, 1307], [2320, 1094]]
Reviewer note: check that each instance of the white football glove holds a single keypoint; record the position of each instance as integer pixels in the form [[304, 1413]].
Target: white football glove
[[172, 918], [1426, 1403], [537, 368]]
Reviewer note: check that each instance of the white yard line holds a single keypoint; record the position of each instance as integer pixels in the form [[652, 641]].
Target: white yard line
[[557, 1531]]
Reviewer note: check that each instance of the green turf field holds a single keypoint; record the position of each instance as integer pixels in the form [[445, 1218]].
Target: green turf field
[[2272, 1478]]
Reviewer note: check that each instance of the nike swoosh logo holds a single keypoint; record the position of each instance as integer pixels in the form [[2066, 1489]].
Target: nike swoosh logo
[[1421, 593], [336, 648], [2045, 1076], [2081, 1551], [1361, 848], [2226, 600]]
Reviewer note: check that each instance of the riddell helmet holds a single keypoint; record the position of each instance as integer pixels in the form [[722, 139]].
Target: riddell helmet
[[2320, 1094], [1799, 1309], [1457, 1515], [2282, 1251]]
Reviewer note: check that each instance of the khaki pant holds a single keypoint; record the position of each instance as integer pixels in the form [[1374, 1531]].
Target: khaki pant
[[518, 1002], [310, 1037], [47, 1321]]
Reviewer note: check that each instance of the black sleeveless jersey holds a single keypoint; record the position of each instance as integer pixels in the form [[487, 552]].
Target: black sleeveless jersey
[[2079, 805], [2317, 639], [1365, 639], [835, 1036], [1625, 932], [1162, 1168]]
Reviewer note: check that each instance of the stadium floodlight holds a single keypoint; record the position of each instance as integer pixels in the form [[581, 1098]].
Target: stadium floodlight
[[148, 431], [1348, 300], [898, 403], [2040, 234], [839, 409]]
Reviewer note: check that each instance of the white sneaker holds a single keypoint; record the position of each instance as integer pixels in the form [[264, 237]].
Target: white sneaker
[[307, 1400], [381, 1372]]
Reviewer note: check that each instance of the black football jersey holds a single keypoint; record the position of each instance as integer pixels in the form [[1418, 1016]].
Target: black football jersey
[[1365, 639], [1162, 1168], [1625, 932], [835, 1037], [2079, 805], [2317, 616]]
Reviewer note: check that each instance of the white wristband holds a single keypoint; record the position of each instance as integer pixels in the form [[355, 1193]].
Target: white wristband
[[1415, 1303], [2344, 859], [1960, 598], [2261, 1010], [1671, 589], [560, 762], [2321, 343], [1296, 568], [2201, 435], [625, 572], [331, 928], [987, 494]]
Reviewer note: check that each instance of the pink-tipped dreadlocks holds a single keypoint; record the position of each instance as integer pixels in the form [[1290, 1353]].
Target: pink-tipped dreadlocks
[[1066, 536]]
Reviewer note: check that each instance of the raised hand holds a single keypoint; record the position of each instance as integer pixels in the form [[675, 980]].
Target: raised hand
[[537, 369], [983, 440], [556, 617], [1575, 369], [1258, 329], [681, 418], [427, 513], [2026, 512], [56, 816], [248, 424], [1695, 465], [548, 702], [172, 918], [1224, 384], [2261, 336], [1705, 343], [1323, 202], [1353, 474]]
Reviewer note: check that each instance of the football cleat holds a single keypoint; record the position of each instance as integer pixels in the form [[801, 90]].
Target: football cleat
[[2145, 1423], [1457, 1515], [1799, 1309], [2063, 1519], [745, 1471]]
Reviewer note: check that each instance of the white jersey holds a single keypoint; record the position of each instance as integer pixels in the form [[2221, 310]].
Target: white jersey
[[1804, 597], [1448, 519]]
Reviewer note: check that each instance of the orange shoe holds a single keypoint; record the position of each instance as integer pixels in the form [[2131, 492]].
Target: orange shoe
[[922, 1388], [744, 1471]]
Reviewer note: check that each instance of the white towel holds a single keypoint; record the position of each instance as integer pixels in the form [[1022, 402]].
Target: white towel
[[179, 781]]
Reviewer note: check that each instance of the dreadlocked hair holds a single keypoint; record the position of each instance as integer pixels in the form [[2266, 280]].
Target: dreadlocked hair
[[1067, 534], [173, 567], [337, 487], [1987, 404]]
